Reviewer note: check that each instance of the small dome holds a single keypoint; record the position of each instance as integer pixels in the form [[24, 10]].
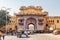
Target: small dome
[[22, 7], [39, 7]]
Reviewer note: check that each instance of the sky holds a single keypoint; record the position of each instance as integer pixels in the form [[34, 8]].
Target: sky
[[51, 6]]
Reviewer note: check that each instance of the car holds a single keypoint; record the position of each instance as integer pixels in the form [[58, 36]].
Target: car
[[22, 35], [38, 31], [27, 32]]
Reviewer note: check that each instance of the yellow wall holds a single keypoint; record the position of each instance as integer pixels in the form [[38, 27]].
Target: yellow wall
[[12, 23], [33, 10], [54, 24]]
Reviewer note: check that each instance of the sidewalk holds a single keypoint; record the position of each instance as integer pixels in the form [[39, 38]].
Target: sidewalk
[[58, 36]]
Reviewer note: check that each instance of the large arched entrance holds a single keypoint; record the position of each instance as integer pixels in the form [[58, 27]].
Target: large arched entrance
[[31, 24]]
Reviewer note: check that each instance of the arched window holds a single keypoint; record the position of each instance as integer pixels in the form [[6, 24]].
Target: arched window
[[57, 21], [21, 21]]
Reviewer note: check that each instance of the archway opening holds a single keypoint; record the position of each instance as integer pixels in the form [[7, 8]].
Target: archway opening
[[31, 23], [31, 26]]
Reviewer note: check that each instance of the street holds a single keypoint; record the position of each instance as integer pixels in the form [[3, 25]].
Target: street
[[35, 37]]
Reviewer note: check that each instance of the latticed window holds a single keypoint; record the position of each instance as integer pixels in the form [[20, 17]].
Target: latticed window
[[21, 20], [40, 23], [40, 20], [21, 23], [51, 21], [10, 21], [57, 21]]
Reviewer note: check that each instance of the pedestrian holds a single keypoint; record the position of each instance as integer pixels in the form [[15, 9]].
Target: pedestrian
[[1, 35]]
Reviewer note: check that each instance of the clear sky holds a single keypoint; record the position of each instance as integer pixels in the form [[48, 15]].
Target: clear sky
[[51, 6]]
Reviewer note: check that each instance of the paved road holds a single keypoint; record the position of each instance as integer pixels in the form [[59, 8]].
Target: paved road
[[34, 37]]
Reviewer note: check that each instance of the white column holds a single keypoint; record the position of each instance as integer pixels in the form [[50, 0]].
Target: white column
[[37, 22], [24, 23]]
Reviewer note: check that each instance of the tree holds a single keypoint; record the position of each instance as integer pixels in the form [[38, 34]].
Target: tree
[[3, 17]]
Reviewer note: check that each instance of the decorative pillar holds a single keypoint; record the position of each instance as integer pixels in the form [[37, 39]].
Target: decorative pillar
[[36, 22], [24, 23]]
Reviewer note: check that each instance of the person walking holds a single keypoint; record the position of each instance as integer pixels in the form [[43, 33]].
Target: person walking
[[1, 35]]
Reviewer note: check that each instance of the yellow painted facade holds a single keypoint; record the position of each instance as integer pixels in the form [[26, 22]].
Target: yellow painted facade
[[54, 21], [37, 15]]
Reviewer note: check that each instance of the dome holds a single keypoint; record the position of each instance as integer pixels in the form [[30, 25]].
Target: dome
[[39, 7], [22, 7]]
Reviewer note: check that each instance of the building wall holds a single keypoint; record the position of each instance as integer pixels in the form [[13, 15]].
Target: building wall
[[31, 9], [54, 21], [12, 23], [50, 20]]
